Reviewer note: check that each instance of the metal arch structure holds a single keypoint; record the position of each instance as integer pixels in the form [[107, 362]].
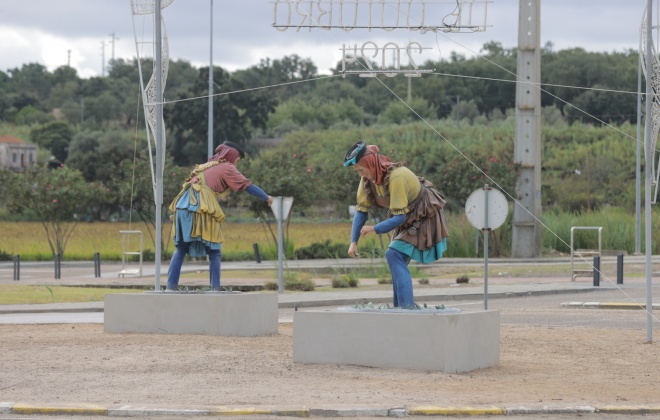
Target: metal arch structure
[[644, 43], [149, 93], [152, 96], [651, 58], [147, 7]]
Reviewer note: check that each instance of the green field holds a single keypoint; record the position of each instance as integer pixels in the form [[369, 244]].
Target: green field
[[28, 239]]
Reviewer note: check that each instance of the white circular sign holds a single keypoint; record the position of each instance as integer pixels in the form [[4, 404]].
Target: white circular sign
[[475, 208]]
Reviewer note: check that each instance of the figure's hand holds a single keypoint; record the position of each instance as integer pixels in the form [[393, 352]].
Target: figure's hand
[[365, 230], [353, 250], [270, 200]]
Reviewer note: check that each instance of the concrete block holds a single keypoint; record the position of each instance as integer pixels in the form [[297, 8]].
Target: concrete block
[[451, 342], [225, 314]]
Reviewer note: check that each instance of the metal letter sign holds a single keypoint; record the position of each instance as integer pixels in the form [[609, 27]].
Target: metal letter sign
[[449, 16], [352, 56], [414, 15]]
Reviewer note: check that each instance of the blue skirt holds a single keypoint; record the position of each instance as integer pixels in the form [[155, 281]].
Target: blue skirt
[[184, 226], [432, 254]]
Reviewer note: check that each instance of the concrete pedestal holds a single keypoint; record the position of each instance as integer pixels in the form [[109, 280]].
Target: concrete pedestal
[[455, 342], [226, 314]]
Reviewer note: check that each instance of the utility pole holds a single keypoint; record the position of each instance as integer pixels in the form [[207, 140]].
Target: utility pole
[[102, 58], [113, 38], [526, 240], [68, 58]]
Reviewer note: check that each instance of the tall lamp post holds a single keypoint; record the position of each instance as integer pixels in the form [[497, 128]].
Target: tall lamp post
[[210, 133]]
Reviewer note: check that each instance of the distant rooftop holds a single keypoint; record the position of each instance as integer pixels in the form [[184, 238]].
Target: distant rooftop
[[10, 139]]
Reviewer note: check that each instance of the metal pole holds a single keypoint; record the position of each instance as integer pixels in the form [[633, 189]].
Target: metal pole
[[280, 245], [649, 164], [159, 142], [17, 267], [476, 243], [619, 269], [638, 175], [596, 270], [210, 132], [486, 231], [97, 264]]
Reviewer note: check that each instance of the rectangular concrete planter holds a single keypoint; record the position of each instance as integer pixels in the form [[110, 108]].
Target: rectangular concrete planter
[[452, 342], [225, 314]]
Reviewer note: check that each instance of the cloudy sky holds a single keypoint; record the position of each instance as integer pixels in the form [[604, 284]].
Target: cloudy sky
[[81, 32]]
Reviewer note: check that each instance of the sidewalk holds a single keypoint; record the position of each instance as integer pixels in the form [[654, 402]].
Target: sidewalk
[[82, 274]]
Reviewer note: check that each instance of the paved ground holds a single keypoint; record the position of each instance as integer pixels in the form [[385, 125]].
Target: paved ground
[[498, 284], [557, 289]]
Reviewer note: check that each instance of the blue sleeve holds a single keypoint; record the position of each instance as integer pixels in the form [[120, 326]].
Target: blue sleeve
[[389, 224], [257, 192], [359, 220]]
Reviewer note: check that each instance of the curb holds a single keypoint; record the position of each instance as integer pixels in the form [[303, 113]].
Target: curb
[[99, 306], [456, 411], [438, 411], [608, 305]]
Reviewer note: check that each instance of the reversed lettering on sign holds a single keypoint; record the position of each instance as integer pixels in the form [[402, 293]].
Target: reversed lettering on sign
[[416, 15], [389, 57]]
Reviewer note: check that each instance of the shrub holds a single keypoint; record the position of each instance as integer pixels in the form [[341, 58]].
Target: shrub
[[387, 279], [326, 249], [423, 280], [340, 282], [345, 280], [353, 281], [303, 285], [271, 285], [463, 278], [298, 281]]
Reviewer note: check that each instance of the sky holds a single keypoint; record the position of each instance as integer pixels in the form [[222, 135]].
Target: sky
[[86, 34]]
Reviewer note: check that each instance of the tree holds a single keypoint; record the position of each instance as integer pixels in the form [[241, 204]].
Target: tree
[[235, 116], [33, 80], [99, 156], [283, 173], [58, 198], [273, 73], [54, 136], [398, 112]]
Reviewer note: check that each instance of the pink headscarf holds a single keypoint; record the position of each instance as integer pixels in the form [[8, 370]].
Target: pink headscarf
[[227, 153], [376, 163]]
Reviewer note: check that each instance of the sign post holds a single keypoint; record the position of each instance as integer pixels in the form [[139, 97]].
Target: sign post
[[486, 209], [281, 207]]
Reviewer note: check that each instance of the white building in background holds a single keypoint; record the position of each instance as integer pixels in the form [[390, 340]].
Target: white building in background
[[15, 154]]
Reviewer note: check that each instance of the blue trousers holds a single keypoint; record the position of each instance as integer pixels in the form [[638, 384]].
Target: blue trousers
[[401, 279], [174, 272]]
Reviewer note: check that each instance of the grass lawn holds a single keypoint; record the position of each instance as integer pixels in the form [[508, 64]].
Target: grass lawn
[[17, 295]]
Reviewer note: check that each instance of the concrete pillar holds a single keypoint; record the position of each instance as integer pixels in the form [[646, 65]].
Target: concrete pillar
[[526, 240]]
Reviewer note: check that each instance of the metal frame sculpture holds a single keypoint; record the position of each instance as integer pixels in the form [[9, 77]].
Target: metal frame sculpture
[[147, 7], [655, 99]]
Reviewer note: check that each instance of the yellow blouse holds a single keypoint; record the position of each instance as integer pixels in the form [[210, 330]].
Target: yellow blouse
[[404, 187]]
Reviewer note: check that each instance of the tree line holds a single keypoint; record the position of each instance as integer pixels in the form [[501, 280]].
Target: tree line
[[95, 127]]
